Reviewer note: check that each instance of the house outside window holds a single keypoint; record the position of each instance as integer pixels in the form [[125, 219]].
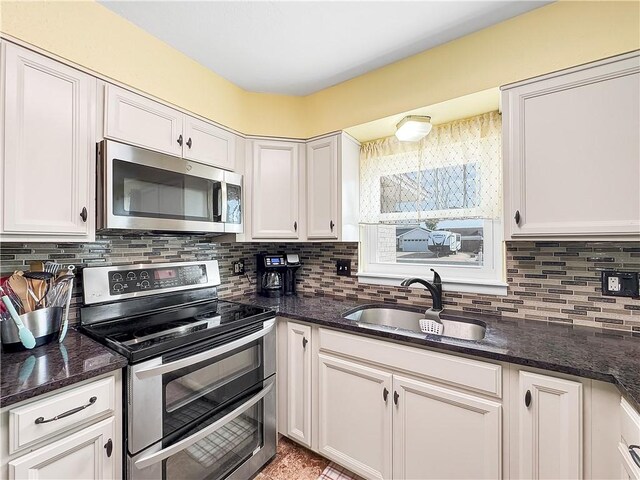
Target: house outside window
[[436, 204]]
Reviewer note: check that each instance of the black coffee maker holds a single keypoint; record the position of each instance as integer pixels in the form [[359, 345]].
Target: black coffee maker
[[276, 274]]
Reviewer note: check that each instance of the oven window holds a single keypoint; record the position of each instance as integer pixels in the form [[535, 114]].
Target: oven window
[[203, 381], [222, 451], [142, 191]]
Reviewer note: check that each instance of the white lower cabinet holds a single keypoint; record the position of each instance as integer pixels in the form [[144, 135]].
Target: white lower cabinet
[[299, 382], [354, 416], [87, 454], [550, 436], [439, 433]]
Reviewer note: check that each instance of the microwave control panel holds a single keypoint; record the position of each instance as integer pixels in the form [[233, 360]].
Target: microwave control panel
[[123, 281]]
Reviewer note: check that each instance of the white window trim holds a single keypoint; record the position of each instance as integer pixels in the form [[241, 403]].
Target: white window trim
[[489, 279]]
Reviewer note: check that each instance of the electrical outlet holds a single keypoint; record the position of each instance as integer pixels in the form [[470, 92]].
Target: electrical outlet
[[620, 284], [343, 268], [238, 267]]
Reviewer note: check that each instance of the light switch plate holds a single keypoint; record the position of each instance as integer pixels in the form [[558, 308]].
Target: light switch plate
[[343, 268]]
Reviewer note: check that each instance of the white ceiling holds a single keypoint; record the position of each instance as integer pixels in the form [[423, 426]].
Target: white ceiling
[[300, 47]]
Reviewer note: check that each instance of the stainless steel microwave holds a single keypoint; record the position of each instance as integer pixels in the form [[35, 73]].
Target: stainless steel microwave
[[141, 190]]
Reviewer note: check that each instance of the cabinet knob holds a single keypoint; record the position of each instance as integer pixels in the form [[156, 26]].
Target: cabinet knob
[[634, 454], [395, 397], [385, 394], [83, 214], [189, 143], [527, 399], [331, 224], [304, 342], [179, 140], [516, 217], [109, 447], [295, 226]]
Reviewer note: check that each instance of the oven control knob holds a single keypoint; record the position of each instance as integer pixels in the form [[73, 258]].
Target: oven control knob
[[117, 277], [143, 275], [131, 276], [145, 284], [117, 287]]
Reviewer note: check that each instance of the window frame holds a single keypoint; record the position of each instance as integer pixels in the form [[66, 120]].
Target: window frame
[[490, 278]]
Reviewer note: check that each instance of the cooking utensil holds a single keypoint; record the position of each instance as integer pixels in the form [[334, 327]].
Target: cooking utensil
[[20, 286], [15, 299], [65, 322], [52, 267], [58, 293], [26, 337], [40, 284]]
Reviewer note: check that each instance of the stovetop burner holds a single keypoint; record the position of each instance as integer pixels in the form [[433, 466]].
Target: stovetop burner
[[154, 333]]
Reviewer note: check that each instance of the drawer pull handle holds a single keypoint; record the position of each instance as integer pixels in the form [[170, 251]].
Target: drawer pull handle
[[189, 143], [109, 447], [634, 455], [385, 394], [179, 140], [83, 214], [40, 420], [304, 342], [527, 399], [395, 397], [516, 217], [331, 224]]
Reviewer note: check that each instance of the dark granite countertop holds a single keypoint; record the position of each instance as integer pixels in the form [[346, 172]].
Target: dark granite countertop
[[24, 375], [582, 351]]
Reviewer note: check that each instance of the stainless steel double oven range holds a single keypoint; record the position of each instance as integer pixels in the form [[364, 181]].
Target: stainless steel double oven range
[[200, 395]]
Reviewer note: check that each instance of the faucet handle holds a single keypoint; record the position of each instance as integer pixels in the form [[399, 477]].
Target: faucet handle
[[436, 278]]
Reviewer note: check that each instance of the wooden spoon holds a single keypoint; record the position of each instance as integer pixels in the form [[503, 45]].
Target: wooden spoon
[[20, 287]]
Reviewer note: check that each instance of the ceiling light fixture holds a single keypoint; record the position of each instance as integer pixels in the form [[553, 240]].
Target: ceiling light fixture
[[413, 128]]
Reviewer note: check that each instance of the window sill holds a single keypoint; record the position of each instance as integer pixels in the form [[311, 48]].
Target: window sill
[[484, 287]]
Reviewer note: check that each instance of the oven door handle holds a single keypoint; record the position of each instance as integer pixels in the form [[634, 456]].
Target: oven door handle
[[156, 457], [153, 371]]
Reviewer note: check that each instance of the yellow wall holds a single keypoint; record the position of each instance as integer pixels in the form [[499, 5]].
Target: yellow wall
[[549, 38]]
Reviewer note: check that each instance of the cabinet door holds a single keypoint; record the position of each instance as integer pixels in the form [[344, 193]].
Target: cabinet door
[[139, 121], [274, 206], [440, 433], [82, 455], [354, 418], [322, 188], [572, 153], [299, 382], [49, 148], [206, 143], [550, 427]]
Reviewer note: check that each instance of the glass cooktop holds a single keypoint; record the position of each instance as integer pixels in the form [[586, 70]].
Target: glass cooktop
[[147, 335]]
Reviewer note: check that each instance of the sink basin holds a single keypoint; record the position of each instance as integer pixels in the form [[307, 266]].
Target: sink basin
[[400, 319]]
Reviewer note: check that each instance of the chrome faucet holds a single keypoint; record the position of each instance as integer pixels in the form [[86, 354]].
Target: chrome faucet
[[435, 289]]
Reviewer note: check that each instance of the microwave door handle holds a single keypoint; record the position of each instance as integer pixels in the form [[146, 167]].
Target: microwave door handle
[[156, 457], [214, 352], [224, 202]]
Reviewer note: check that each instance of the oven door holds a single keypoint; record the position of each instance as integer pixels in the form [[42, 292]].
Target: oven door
[[235, 443], [170, 394], [144, 190]]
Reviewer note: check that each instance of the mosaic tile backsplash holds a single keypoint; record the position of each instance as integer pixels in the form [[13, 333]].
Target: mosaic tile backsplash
[[548, 281]]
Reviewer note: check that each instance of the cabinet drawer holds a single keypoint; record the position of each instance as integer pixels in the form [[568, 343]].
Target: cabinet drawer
[[461, 372], [28, 424]]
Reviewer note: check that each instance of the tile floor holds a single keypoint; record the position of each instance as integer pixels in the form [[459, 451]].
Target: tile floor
[[294, 462]]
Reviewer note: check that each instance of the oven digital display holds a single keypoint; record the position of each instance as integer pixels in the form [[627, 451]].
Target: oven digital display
[[165, 273], [275, 261]]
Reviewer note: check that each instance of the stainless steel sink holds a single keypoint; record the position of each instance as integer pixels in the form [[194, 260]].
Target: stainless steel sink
[[397, 319]]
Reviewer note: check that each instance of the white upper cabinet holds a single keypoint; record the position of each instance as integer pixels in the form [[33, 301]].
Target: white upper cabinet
[[48, 158], [325, 186], [322, 188], [206, 143], [571, 146], [550, 411], [139, 121], [275, 181]]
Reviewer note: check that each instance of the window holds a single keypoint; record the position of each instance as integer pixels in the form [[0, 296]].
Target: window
[[436, 203]]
